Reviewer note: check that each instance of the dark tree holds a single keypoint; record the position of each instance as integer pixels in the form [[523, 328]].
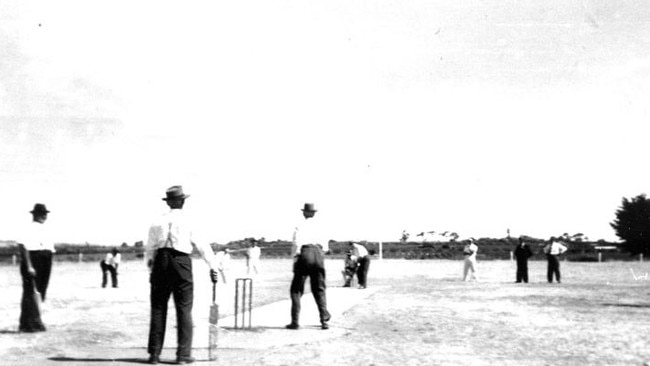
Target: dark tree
[[632, 224]]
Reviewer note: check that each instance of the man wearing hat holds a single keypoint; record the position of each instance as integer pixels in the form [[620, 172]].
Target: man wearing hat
[[168, 248], [307, 250], [36, 250]]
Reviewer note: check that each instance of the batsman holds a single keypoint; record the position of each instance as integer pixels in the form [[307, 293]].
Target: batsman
[[169, 246]]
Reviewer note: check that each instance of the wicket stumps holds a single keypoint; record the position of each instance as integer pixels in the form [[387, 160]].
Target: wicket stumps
[[244, 296]]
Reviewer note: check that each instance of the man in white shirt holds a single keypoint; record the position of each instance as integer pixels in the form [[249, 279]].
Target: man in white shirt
[[552, 251], [363, 260], [36, 249], [469, 252], [110, 264], [307, 250], [253, 258], [169, 247], [222, 262]]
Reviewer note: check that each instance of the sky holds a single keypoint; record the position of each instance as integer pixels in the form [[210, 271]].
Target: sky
[[476, 117]]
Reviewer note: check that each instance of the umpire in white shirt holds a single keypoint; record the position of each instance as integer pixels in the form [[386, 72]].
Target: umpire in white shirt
[[169, 246], [307, 250], [552, 251]]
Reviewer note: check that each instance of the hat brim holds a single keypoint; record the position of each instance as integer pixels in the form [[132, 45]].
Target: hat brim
[[311, 210], [39, 211], [173, 198]]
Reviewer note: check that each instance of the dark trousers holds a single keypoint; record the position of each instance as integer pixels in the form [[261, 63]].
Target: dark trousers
[[42, 263], [553, 268], [522, 270], [171, 275], [105, 270], [310, 264], [362, 270], [30, 312]]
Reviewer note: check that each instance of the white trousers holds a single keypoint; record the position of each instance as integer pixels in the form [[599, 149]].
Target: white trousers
[[470, 265]]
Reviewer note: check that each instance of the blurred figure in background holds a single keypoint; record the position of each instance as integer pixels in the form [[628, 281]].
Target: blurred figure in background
[[110, 264], [36, 250], [307, 250], [363, 260], [349, 268], [522, 253], [553, 250], [469, 251], [253, 258], [222, 263]]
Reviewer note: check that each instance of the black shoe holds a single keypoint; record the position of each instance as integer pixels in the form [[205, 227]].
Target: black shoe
[[292, 326], [184, 360], [324, 325], [153, 359]]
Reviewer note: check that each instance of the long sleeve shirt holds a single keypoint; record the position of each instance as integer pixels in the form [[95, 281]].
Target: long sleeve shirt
[[172, 230], [36, 236], [254, 253], [359, 251], [470, 251], [113, 260], [308, 232]]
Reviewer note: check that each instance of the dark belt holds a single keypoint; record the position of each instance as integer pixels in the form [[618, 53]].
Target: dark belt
[[172, 251], [309, 246]]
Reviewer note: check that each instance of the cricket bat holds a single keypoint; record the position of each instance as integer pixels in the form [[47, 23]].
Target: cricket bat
[[37, 298], [214, 325]]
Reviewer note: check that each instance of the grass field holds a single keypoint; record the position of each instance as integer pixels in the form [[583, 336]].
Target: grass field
[[421, 314]]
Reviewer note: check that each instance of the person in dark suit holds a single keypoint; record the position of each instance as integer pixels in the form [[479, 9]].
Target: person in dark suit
[[522, 253]]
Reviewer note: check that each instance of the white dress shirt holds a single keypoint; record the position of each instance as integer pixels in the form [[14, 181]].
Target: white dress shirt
[[113, 260], [359, 250], [254, 253], [308, 232], [36, 236], [172, 230], [470, 251], [555, 248]]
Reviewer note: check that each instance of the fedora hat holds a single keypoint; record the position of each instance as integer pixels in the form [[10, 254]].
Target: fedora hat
[[39, 208], [309, 207], [175, 192]]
